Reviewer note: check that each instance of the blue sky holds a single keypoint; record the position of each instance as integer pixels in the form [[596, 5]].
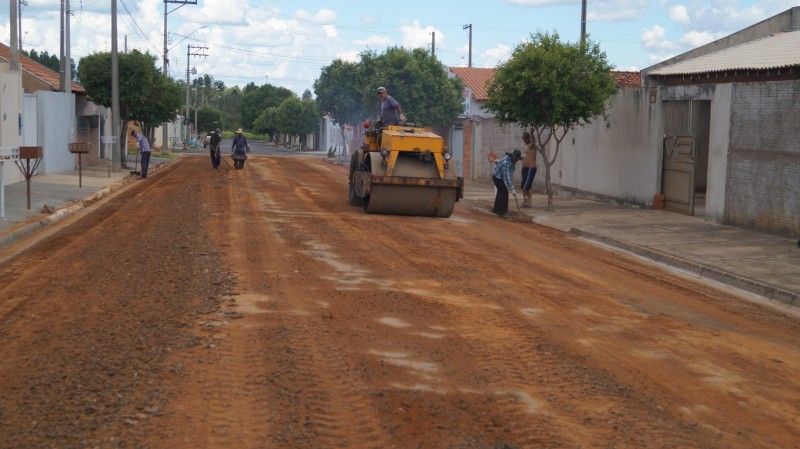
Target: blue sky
[[286, 42]]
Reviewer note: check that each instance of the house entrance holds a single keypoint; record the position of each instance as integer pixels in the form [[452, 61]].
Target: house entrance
[[685, 149]]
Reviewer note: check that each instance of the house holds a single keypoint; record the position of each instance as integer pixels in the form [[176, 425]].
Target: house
[[51, 118], [476, 134], [712, 130]]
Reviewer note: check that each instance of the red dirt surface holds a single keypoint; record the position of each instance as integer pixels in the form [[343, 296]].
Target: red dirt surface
[[257, 309]]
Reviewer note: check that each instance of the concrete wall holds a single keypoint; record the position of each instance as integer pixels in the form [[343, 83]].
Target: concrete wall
[[10, 110], [56, 118], [763, 189], [719, 140], [617, 160]]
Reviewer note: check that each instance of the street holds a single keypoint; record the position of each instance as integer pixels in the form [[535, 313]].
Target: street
[[256, 308]]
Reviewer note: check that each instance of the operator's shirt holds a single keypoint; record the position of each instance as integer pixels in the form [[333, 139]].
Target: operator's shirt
[[389, 115]]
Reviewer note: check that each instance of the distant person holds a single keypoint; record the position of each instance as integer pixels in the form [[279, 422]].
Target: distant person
[[240, 148], [391, 111], [216, 139], [502, 176], [144, 151], [528, 169]]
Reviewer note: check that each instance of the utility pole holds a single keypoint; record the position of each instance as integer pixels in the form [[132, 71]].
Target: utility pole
[[21, 4], [433, 44], [470, 42], [164, 126], [583, 23], [116, 154], [65, 41], [188, 55], [14, 45]]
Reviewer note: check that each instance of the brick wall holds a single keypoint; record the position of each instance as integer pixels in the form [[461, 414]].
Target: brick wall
[[763, 179]]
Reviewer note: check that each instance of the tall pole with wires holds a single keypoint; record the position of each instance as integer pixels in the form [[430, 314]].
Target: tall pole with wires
[[470, 42], [165, 126]]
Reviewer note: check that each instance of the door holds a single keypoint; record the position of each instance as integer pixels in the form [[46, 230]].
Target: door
[[680, 153]]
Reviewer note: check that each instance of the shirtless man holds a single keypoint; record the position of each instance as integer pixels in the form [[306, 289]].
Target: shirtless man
[[528, 168]]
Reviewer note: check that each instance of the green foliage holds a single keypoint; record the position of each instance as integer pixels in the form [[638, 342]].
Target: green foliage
[[296, 117], [342, 92], [416, 79], [256, 99], [548, 83], [208, 118], [141, 86]]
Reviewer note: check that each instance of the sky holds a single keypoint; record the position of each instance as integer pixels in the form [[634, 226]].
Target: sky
[[286, 42]]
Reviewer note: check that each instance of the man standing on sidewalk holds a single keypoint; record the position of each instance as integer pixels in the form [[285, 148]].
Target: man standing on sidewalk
[[144, 151]]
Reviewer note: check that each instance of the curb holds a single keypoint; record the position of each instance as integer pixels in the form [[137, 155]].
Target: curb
[[704, 271]]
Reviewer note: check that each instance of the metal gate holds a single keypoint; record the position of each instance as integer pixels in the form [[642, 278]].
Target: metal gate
[[680, 152]]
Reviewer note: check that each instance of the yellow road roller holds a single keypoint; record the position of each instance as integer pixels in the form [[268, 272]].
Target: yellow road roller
[[404, 169]]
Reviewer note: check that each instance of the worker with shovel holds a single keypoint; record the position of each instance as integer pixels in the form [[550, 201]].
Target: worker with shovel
[[502, 176], [216, 139], [144, 150]]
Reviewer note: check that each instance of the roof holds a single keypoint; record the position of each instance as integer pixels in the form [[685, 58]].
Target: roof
[[780, 50], [627, 79], [475, 79], [39, 71]]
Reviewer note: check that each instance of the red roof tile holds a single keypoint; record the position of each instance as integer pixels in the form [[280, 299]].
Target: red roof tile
[[475, 79], [627, 79], [33, 68]]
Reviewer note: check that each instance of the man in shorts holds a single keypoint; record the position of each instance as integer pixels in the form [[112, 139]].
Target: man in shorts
[[528, 168]]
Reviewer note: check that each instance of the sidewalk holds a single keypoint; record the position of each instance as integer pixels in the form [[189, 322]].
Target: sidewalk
[[763, 264], [760, 263], [63, 194]]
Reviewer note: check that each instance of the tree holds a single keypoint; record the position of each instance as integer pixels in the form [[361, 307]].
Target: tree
[[346, 90], [418, 81], [144, 92], [549, 87], [296, 117], [209, 118], [256, 99]]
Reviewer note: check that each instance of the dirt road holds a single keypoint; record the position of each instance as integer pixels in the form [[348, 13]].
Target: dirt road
[[257, 309]]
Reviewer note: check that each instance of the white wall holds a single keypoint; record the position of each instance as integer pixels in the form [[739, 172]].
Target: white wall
[[56, 118], [719, 142], [10, 110], [618, 159]]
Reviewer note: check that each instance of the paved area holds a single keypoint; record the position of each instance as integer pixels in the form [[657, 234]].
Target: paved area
[[757, 263]]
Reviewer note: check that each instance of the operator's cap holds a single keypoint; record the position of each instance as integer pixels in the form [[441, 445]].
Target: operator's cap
[[381, 89], [239, 131], [516, 154]]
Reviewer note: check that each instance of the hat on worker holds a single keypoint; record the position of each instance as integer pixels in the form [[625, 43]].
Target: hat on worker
[[516, 155], [381, 89], [239, 131]]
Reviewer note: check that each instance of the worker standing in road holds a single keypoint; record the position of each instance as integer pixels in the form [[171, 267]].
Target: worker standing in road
[[502, 177], [239, 148], [144, 150], [216, 139], [391, 111], [528, 169]]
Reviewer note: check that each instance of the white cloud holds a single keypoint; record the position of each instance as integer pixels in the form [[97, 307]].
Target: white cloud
[[679, 13], [415, 36], [495, 55], [697, 38]]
